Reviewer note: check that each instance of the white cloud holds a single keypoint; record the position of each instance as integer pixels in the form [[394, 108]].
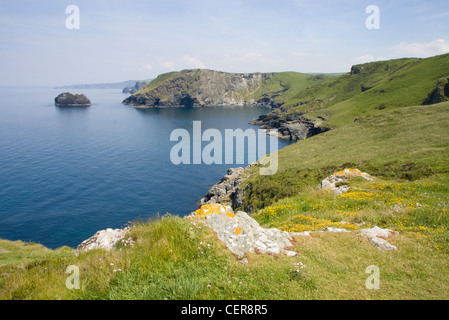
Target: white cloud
[[169, 65], [422, 50], [368, 58], [256, 58], [193, 62], [146, 67]]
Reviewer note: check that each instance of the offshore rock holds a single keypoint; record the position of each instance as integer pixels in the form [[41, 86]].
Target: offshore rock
[[137, 86], [67, 99]]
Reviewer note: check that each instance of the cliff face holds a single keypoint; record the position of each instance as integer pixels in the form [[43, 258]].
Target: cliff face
[[291, 127], [139, 85], [440, 93], [202, 88]]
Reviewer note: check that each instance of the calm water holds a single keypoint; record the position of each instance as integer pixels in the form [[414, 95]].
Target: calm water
[[67, 173]]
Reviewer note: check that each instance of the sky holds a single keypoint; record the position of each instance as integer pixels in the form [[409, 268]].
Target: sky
[[136, 39]]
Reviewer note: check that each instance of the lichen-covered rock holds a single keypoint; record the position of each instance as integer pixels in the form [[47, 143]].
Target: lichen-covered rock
[[330, 183], [67, 99], [104, 239], [241, 233], [377, 237]]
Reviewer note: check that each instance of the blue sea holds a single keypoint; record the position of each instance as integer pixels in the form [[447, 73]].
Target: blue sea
[[66, 173]]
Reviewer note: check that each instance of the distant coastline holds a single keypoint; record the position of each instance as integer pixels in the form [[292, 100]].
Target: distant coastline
[[116, 85]]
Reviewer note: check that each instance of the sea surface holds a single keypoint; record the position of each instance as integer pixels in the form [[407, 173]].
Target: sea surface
[[66, 173]]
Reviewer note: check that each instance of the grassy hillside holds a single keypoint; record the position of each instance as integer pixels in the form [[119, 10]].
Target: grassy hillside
[[284, 86], [370, 89], [405, 143]]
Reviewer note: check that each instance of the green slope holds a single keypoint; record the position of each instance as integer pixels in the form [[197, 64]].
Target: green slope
[[373, 129], [284, 86], [405, 143], [371, 88]]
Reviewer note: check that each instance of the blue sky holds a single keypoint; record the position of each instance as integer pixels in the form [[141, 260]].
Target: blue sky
[[136, 39]]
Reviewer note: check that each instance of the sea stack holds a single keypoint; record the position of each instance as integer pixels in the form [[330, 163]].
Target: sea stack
[[67, 99]]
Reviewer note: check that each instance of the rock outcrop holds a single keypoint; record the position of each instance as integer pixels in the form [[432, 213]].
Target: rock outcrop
[[291, 127], [440, 93], [67, 99], [332, 182], [241, 233], [201, 88], [137, 86], [104, 239], [375, 235], [223, 190], [378, 236]]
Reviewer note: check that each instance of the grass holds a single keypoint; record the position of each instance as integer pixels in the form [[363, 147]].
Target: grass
[[284, 86], [16, 252], [174, 259], [418, 209], [380, 86], [407, 143]]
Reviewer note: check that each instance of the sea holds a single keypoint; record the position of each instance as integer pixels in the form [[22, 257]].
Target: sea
[[67, 172]]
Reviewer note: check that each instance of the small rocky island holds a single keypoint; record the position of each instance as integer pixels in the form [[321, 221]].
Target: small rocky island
[[67, 99]]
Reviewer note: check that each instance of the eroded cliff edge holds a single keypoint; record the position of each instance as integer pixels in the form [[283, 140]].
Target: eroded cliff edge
[[202, 88]]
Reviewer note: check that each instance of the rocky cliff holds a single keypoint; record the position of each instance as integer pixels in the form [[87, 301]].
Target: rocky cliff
[[226, 190], [291, 126], [440, 93], [137, 86], [202, 88]]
